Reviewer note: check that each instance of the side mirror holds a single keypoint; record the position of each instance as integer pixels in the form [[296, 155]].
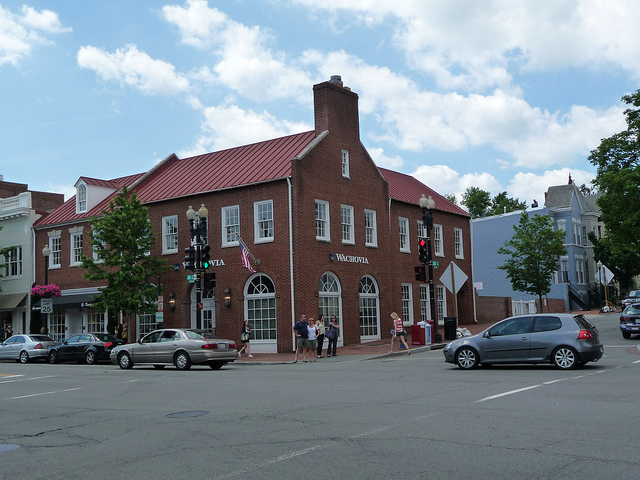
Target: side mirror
[[139, 341], [487, 334]]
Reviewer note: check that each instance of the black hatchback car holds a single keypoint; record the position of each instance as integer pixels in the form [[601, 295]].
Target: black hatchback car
[[89, 348]]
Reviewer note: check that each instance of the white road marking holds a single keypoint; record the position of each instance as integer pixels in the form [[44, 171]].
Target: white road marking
[[286, 456], [43, 393], [27, 379]]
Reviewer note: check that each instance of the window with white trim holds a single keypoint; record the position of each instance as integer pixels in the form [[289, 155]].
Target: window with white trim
[[370, 228], [407, 304], [96, 322], [345, 163], [55, 259], [230, 225], [441, 303], [403, 230], [322, 221], [263, 221], [346, 215], [425, 304], [76, 248], [438, 246], [81, 198], [457, 238], [170, 234], [57, 321], [13, 262]]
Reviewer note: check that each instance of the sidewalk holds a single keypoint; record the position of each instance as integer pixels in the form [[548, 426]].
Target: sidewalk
[[360, 351]]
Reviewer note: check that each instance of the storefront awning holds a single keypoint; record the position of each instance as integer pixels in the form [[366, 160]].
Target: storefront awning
[[9, 301], [68, 302]]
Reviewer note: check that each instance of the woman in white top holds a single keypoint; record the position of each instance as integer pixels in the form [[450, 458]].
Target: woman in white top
[[313, 333]]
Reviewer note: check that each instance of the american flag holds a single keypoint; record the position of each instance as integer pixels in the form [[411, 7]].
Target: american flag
[[245, 258]]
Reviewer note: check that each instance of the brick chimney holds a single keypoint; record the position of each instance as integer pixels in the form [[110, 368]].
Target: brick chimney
[[336, 108]]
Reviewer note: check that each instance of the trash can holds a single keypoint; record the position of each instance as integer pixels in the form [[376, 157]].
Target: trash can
[[417, 335], [431, 333], [450, 325]]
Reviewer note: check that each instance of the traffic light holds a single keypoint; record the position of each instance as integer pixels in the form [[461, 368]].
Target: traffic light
[[206, 256], [190, 258], [422, 251], [209, 281], [421, 275]]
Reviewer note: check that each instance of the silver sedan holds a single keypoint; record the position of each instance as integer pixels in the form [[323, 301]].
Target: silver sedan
[[23, 348], [565, 340], [176, 346]]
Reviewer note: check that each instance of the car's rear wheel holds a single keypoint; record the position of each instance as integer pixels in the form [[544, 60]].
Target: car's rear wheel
[[182, 361], [626, 335], [124, 361], [24, 356], [216, 365], [90, 357], [53, 357], [467, 358], [565, 358]]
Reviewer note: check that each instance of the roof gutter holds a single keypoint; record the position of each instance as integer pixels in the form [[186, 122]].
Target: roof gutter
[[293, 306]]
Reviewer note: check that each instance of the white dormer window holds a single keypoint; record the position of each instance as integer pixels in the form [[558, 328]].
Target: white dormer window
[[81, 198]]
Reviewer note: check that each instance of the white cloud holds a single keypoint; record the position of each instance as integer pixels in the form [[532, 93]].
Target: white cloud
[[385, 161], [229, 126], [530, 186], [444, 180], [19, 34], [133, 68], [245, 63]]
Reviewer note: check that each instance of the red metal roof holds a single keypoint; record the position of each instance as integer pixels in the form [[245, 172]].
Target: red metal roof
[[406, 188], [255, 163]]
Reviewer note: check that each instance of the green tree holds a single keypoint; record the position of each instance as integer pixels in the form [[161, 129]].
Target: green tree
[[618, 161], [534, 252], [476, 200], [452, 198], [501, 203], [122, 240]]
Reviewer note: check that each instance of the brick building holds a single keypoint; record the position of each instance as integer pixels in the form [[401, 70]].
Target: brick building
[[332, 232]]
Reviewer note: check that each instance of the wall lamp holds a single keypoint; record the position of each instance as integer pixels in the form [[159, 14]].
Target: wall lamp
[[227, 297]]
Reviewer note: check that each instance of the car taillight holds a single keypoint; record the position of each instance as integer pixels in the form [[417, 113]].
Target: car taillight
[[625, 319], [209, 346], [38, 347], [233, 345], [108, 345], [585, 335]]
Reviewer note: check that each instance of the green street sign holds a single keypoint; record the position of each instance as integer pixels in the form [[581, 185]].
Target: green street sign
[[435, 263], [191, 278]]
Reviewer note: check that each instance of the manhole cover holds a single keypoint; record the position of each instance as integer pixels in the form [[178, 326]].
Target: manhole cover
[[7, 448], [188, 414]]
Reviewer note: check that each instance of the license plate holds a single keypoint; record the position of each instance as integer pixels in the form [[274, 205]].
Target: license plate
[[222, 346]]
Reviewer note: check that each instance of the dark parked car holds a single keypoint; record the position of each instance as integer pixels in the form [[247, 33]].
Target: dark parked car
[[565, 340], [633, 296], [87, 348], [630, 320], [24, 348]]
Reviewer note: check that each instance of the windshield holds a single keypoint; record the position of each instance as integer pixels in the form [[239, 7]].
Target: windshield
[[632, 310], [634, 294], [582, 322], [200, 334]]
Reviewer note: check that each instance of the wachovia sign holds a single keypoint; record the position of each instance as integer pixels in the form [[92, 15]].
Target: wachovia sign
[[341, 257]]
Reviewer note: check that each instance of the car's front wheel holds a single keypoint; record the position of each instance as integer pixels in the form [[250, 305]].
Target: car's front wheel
[[467, 358], [182, 361], [53, 357], [565, 358], [124, 361], [90, 357], [24, 357]]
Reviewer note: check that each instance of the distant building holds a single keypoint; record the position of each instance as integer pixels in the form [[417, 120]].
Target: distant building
[[333, 233]]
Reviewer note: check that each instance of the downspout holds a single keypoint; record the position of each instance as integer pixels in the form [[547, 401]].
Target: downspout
[[473, 280], [293, 308]]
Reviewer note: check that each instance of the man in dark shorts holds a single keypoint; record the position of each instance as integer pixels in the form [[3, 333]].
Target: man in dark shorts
[[301, 333]]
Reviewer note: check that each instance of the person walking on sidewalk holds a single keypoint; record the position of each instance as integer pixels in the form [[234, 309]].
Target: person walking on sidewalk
[[332, 335], [398, 331], [301, 332], [313, 332], [245, 336], [321, 331]]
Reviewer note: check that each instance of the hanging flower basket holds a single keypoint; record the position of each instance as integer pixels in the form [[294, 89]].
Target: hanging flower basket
[[45, 291]]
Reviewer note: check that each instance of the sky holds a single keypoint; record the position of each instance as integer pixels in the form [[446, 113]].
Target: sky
[[503, 95]]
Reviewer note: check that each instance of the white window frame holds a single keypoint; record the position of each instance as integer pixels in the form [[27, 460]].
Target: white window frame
[[169, 234], [263, 227], [55, 245], [230, 227], [75, 251], [425, 304], [346, 221], [441, 303], [13, 262], [345, 164], [457, 239], [81, 198], [323, 231], [407, 303], [438, 244], [370, 228], [403, 233]]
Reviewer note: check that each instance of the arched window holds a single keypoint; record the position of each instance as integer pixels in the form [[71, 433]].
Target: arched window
[[81, 198], [330, 298], [369, 309], [260, 307]]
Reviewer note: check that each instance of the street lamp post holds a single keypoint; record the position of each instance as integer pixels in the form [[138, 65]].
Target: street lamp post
[[46, 253], [427, 205], [198, 230]]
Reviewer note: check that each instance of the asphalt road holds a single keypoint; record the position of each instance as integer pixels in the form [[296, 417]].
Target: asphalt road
[[400, 417]]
